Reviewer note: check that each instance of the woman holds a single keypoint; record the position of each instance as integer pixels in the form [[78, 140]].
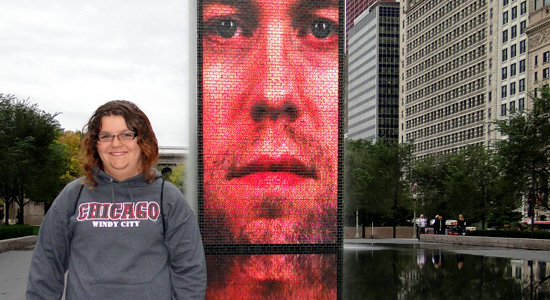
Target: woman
[[121, 232]]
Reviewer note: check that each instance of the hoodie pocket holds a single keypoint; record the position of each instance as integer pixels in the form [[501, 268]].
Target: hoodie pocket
[[102, 291]]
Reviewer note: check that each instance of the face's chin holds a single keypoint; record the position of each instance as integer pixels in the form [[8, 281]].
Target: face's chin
[[260, 198]]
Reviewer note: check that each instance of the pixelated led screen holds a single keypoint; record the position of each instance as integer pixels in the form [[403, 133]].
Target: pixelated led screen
[[270, 121], [272, 276]]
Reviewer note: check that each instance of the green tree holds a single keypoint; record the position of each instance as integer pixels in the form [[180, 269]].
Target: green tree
[[476, 187], [429, 174], [70, 141], [31, 160], [525, 150], [376, 181], [469, 182], [177, 176]]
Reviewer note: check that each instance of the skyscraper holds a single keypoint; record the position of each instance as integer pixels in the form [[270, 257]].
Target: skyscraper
[[373, 73], [444, 76]]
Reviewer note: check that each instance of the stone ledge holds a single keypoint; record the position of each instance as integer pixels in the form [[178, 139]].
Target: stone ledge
[[530, 244], [17, 243]]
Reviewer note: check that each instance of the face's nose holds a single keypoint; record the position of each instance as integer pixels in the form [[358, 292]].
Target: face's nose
[[275, 95]]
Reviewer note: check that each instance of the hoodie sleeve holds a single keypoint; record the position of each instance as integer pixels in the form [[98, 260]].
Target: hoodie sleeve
[[184, 242], [51, 253]]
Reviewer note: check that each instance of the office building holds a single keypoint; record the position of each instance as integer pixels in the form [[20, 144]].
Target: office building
[[373, 73]]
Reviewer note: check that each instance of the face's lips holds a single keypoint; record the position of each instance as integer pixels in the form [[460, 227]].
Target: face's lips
[[269, 164], [117, 153]]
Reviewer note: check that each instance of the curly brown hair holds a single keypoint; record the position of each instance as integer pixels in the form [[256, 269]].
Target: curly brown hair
[[137, 121]]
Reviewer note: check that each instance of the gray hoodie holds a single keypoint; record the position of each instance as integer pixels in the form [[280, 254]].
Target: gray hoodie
[[114, 245]]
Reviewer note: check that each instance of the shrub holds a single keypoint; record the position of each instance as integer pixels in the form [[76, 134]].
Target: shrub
[[15, 231], [511, 234]]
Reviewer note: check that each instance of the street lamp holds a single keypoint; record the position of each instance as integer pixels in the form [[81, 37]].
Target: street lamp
[[357, 223], [413, 189]]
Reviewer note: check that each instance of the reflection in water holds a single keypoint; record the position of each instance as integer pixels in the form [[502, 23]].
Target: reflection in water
[[381, 273], [405, 273], [272, 276]]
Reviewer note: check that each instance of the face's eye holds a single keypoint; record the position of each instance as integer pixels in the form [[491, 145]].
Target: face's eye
[[104, 137], [318, 28], [322, 29], [127, 136], [226, 28]]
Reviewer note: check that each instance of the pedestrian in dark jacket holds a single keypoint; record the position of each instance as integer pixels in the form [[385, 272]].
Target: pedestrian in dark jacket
[[461, 225]]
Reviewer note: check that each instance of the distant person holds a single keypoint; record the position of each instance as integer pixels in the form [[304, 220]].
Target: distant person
[[120, 232], [421, 223], [439, 225], [461, 225]]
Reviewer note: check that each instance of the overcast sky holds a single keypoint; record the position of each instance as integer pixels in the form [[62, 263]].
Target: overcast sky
[[72, 56]]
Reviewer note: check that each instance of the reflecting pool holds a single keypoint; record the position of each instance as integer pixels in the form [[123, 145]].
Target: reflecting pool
[[383, 271], [442, 272]]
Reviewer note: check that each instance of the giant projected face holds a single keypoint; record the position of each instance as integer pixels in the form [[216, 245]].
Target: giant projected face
[[270, 121]]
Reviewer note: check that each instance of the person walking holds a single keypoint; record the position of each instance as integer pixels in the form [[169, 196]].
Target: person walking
[[439, 225], [421, 223], [120, 232], [461, 225]]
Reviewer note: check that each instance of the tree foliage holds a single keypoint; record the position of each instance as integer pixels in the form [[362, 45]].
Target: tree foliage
[[31, 160], [525, 151], [469, 182], [177, 176], [375, 182], [70, 142]]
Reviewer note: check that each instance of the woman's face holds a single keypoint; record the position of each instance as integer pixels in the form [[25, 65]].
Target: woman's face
[[120, 159]]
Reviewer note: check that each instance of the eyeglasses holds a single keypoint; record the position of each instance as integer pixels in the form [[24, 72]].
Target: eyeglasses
[[124, 137]]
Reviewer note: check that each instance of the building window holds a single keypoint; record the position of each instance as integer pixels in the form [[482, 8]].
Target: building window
[[522, 26], [504, 54], [490, 46], [522, 85], [512, 89], [503, 110], [491, 13], [545, 73], [523, 8], [513, 51], [514, 12], [545, 56], [522, 66], [514, 32], [504, 2], [512, 106], [504, 73], [505, 36], [489, 113], [521, 103], [505, 18], [522, 47], [536, 60], [512, 70], [504, 91], [490, 96], [536, 76], [490, 79]]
